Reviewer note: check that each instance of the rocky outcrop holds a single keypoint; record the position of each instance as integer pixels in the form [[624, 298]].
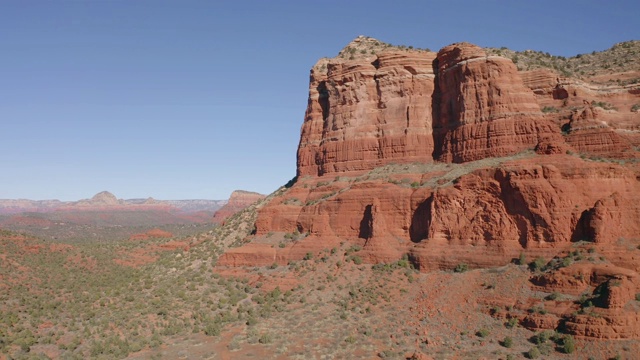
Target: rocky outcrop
[[458, 106], [448, 159], [238, 200], [367, 112], [486, 218], [608, 221], [587, 134], [483, 108], [464, 107], [605, 308], [601, 121]]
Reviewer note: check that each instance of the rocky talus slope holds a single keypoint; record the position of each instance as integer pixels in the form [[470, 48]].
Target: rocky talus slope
[[457, 157]]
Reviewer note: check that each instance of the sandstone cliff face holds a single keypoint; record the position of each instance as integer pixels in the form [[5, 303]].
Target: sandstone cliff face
[[366, 113], [458, 106], [369, 112], [598, 119], [484, 109], [448, 159], [588, 133]]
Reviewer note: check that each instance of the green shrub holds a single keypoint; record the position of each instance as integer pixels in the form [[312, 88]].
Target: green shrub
[[461, 268], [602, 104], [538, 264], [264, 338], [635, 107], [511, 323], [155, 341], [308, 256], [541, 337], [212, 329], [507, 342], [568, 344], [549, 109], [533, 353], [553, 296], [404, 262], [522, 259], [538, 309], [352, 249], [350, 339], [483, 333]]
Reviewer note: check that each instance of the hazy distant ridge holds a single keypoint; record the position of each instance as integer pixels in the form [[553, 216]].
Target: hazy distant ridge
[[106, 200]]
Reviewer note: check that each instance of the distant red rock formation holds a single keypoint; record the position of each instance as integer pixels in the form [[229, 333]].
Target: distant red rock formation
[[238, 200], [152, 234]]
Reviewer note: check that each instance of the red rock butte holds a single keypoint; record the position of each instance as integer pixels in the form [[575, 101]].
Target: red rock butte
[[448, 158], [238, 200]]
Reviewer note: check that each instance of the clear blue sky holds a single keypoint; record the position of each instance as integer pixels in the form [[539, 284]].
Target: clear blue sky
[[193, 99]]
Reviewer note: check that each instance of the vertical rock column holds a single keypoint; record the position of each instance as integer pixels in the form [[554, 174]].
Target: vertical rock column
[[483, 108], [364, 113]]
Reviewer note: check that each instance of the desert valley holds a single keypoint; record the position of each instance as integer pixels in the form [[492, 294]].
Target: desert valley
[[465, 203]]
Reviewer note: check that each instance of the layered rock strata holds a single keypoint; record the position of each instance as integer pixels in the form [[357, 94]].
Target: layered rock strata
[[483, 108], [366, 113], [448, 159], [238, 200]]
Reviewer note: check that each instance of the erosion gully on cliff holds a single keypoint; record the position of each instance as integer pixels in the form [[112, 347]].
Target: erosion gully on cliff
[[449, 159]]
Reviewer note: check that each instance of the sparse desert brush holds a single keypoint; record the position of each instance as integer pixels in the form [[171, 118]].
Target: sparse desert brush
[[511, 323], [507, 342], [533, 353], [461, 268]]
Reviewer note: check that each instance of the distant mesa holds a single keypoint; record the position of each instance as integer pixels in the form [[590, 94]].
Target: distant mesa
[[238, 200], [150, 201], [103, 198], [152, 234]]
